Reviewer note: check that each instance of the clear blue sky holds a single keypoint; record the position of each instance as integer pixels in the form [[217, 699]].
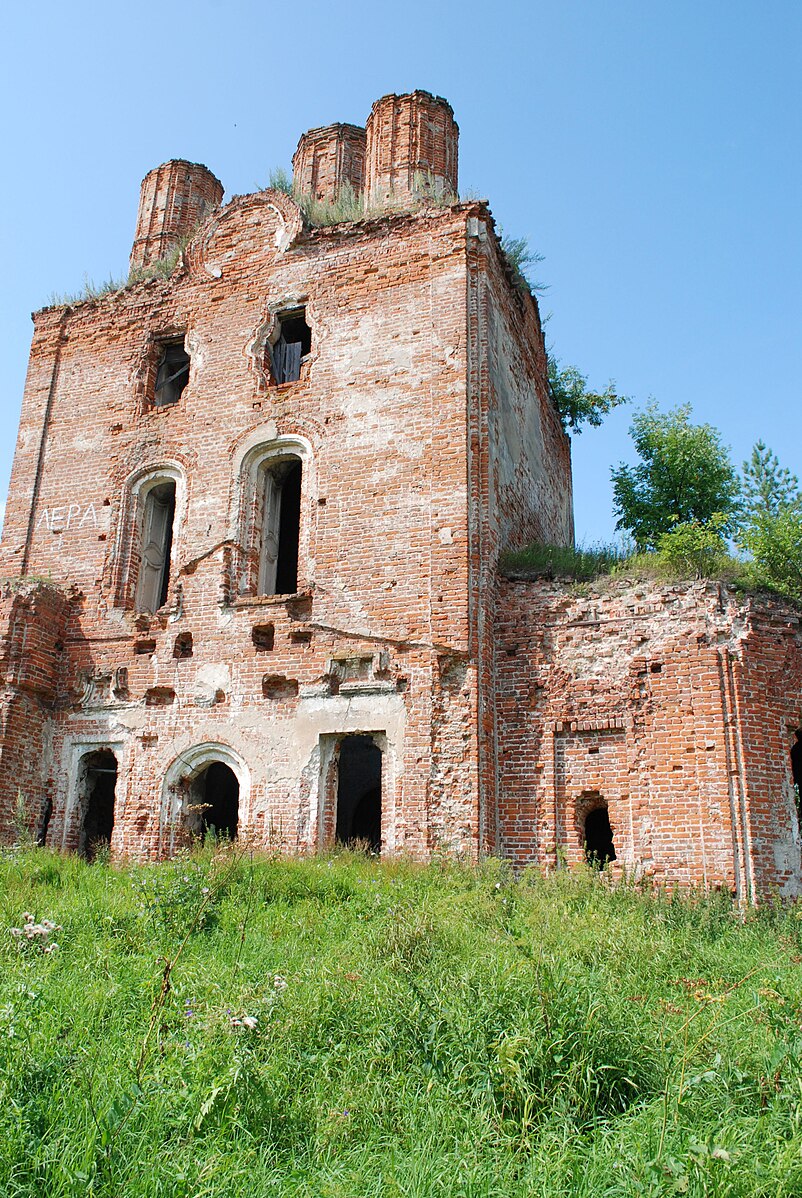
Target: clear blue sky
[[651, 149]]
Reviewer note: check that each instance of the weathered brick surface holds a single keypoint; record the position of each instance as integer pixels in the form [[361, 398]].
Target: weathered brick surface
[[174, 199], [675, 705], [504, 710], [328, 159], [422, 455], [412, 141]]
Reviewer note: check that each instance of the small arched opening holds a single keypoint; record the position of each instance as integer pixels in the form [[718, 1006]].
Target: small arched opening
[[213, 803], [598, 837], [359, 793], [97, 781]]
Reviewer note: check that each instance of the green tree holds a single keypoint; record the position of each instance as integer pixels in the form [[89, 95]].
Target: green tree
[[768, 487], [774, 541], [576, 404], [684, 475], [771, 531]]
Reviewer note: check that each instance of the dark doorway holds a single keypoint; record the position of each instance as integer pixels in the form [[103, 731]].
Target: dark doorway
[[599, 847], [98, 781], [359, 793], [796, 769], [214, 803]]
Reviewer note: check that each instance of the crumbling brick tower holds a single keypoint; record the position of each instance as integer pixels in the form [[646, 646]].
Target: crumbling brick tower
[[271, 490]]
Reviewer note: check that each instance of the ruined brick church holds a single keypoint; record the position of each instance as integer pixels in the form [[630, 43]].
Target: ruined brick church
[[252, 551]]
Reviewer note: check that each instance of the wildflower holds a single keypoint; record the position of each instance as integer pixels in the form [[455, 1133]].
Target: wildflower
[[279, 982], [51, 948], [249, 1021]]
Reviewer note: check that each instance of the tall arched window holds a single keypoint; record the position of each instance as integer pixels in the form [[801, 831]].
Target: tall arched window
[[272, 490], [156, 539], [279, 526]]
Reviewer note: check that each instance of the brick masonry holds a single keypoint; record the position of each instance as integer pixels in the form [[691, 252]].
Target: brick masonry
[[428, 443]]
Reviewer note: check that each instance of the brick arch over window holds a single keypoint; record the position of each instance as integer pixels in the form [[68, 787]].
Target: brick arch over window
[[151, 515], [272, 525], [177, 788]]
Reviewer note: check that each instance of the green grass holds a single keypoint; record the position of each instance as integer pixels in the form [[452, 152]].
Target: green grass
[[583, 564], [420, 1031]]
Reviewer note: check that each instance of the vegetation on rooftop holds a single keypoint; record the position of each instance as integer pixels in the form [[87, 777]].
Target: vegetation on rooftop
[[219, 1025], [161, 268], [687, 513]]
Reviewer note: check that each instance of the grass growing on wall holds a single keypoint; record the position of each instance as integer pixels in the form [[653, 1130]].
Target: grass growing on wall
[[339, 1027]]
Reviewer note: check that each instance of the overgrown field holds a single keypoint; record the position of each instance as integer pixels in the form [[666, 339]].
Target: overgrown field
[[220, 1026]]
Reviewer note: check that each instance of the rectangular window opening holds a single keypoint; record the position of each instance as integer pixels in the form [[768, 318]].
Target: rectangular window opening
[[172, 373], [292, 345]]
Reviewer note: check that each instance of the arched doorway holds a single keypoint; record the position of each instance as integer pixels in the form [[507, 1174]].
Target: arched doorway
[[97, 782], [599, 847], [213, 802], [359, 792]]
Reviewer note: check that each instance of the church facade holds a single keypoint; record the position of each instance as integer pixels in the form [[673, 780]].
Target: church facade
[[252, 549]]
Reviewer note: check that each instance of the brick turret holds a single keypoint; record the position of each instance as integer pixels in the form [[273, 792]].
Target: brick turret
[[174, 199], [411, 148], [329, 158]]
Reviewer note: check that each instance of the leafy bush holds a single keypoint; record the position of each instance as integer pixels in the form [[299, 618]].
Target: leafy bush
[[694, 549]]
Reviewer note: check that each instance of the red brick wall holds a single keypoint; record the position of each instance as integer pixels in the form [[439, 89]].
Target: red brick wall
[[32, 617], [676, 704]]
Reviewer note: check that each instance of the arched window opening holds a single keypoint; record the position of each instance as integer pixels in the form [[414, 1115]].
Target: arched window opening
[[359, 793], [158, 517], [293, 343], [280, 527], [97, 780], [796, 770], [213, 805], [599, 847]]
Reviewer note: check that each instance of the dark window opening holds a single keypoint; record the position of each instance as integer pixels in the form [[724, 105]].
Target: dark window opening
[[183, 645], [599, 847], [796, 770], [294, 342], [44, 822], [281, 527], [359, 793], [214, 803], [157, 543], [263, 637], [99, 775], [172, 374]]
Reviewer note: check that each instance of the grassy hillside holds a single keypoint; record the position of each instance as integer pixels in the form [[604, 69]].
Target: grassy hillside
[[219, 1026]]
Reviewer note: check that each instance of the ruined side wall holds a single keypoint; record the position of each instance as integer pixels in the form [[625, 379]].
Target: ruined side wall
[[674, 705], [33, 618]]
